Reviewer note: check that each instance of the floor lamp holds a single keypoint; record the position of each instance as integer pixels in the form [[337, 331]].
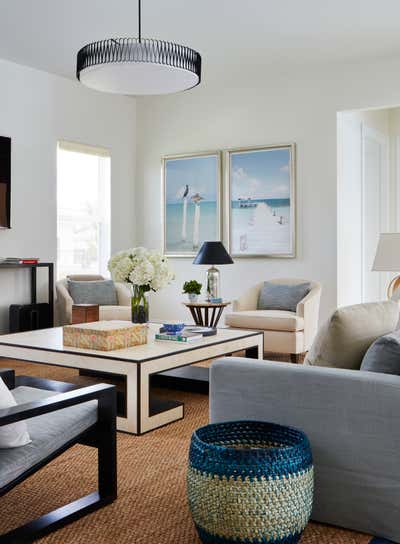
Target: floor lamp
[[387, 258]]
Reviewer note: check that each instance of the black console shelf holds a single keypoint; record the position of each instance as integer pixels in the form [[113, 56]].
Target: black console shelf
[[33, 268]]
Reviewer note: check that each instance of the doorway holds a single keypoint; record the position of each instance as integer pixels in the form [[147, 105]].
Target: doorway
[[367, 188]]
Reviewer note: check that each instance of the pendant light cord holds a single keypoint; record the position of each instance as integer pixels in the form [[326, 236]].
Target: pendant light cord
[[140, 20]]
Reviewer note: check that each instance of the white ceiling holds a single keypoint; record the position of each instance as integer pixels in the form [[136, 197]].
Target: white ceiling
[[230, 34]]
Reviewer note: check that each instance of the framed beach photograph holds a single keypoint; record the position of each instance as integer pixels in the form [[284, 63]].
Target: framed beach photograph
[[261, 201], [192, 202]]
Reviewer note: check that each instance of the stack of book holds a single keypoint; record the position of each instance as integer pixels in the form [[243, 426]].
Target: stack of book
[[19, 260], [179, 337], [188, 334]]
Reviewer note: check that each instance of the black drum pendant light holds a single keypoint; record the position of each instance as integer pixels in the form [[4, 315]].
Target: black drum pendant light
[[138, 66]]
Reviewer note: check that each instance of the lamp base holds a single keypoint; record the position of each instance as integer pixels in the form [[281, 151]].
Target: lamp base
[[212, 283], [393, 286]]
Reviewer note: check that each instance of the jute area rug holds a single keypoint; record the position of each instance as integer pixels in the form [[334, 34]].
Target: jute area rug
[[151, 506]]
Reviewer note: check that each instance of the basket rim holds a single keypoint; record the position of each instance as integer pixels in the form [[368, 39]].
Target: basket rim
[[303, 439]]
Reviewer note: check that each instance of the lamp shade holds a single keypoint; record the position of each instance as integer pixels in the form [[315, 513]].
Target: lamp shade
[[138, 66], [213, 253], [387, 258]]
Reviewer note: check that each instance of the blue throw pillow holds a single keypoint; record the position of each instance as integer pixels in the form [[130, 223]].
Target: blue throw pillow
[[101, 292], [275, 296], [383, 355]]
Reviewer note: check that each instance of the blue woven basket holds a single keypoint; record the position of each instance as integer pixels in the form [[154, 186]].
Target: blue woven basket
[[250, 482]]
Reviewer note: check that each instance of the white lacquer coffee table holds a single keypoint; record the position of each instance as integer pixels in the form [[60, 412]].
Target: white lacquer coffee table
[[142, 411]]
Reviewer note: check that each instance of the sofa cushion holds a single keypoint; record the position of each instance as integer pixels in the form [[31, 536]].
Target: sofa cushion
[[48, 432], [277, 296], [121, 313], [384, 355], [101, 292], [270, 320], [14, 435], [344, 339]]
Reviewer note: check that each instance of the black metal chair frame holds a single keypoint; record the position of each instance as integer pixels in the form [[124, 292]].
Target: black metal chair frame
[[101, 435]]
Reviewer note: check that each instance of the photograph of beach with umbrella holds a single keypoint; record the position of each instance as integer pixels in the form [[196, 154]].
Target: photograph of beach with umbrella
[[261, 188], [191, 202]]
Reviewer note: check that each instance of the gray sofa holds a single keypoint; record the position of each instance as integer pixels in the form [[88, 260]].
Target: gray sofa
[[352, 419]]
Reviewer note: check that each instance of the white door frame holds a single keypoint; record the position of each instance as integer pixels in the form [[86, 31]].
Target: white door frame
[[384, 211]]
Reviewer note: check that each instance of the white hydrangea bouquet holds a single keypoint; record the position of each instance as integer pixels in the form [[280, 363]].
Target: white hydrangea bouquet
[[146, 270]]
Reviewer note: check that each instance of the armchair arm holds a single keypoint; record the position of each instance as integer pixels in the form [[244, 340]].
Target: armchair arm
[[308, 309], [64, 304], [123, 294], [57, 402], [8, 377], [248, 301]]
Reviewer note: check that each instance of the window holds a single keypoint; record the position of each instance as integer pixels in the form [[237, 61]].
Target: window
[[83, 209]]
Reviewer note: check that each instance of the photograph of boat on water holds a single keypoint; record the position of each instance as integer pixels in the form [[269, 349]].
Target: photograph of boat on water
[[192, 202], [261, 189]]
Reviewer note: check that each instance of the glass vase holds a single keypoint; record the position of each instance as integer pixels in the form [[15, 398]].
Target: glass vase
[[140, 304]]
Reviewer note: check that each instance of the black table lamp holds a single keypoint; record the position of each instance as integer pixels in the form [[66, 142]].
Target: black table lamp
[[213, 253]]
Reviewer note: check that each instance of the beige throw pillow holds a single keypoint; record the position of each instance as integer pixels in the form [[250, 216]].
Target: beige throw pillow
[[15, 434], [344, 339]]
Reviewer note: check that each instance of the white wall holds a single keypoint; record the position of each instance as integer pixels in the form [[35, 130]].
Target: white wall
[[394, 131], [358, 132], [255, 110], [349, 210], [36, 110]]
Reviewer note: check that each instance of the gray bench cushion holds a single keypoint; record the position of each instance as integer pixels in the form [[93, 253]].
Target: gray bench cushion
[[48, 433]]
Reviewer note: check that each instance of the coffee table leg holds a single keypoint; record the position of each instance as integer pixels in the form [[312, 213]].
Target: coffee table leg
[[256, 352], [130, 423], [155, 412]]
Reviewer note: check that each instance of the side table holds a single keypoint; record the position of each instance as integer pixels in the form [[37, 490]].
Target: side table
[[85, 313], [206, 314]]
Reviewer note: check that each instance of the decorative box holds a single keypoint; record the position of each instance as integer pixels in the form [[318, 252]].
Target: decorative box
[[105, 335]]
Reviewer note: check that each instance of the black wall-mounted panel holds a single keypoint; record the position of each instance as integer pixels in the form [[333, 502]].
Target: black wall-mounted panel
[[5, 182]]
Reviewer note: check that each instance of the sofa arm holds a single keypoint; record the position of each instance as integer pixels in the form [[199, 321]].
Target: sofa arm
[[64, 304], [352, 419], [248, 301], [308, 309], [124, 293]]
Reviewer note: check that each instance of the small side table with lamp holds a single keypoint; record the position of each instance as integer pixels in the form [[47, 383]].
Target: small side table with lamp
[[205, 314], [387, 259], [213, 253]]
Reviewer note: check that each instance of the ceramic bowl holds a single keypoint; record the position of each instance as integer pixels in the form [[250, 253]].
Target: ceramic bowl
[[173, 328]]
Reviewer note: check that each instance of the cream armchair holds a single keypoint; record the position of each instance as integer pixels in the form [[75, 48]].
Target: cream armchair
[[284, 331], [64, 301]]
